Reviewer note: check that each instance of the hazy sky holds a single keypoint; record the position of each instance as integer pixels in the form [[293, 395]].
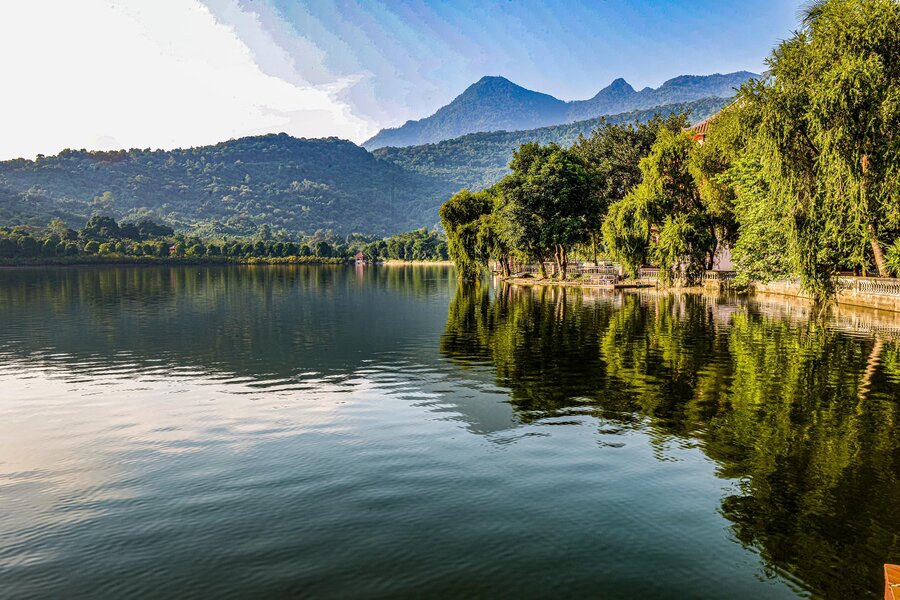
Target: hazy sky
[[166, 73]]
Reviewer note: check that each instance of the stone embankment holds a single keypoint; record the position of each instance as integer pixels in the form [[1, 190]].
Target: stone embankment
[[869, 292]]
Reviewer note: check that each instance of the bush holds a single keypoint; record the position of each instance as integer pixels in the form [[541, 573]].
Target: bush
[[892, 258], [196, 250]]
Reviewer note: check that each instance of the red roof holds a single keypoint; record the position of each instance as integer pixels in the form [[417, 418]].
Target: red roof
[[699, 130]]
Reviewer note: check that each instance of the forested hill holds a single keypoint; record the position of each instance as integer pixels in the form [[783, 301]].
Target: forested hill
[[496, 104], [300, 185], [479, 160]]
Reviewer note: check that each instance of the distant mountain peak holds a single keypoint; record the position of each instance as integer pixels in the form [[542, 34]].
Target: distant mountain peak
[[618, 89], [620, 84], [494, 103], [492, 84], [493, 79]]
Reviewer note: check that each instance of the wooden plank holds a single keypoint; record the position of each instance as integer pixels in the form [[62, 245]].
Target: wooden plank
[[891, 582]]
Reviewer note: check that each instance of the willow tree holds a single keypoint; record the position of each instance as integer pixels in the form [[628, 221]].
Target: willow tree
[[612, 154], [830, 136], [664, 218], [461, 217]]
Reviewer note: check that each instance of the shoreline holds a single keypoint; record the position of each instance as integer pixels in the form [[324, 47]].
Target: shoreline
[[845, 298], [152, 261]]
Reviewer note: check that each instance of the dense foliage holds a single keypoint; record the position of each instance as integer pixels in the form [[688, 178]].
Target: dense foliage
[[664, 217], [555, 199], [829, 121], [232, 188], [412, 246]]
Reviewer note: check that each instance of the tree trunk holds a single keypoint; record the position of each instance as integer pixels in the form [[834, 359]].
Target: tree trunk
[[563, 262], [560, 255], [711, 263], [878, 253], [873, 231], [504, 265], [594, 247], [543, 267]]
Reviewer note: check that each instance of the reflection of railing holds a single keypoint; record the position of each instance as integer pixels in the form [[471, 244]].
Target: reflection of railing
[[719, 275], [870, 285]]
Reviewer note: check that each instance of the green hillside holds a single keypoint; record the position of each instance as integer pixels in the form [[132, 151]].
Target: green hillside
[[299, 185], [480, 160]]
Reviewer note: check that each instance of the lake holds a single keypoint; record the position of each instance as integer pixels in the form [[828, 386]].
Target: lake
[[375, 432]]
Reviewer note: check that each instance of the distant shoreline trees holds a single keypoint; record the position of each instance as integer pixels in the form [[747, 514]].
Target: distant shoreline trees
[[104, 239]]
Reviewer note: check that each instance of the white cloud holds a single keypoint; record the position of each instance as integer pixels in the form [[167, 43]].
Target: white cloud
[[148, 74]]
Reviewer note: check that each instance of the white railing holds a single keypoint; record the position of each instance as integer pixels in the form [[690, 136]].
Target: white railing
[[870, 285], [607, 273]]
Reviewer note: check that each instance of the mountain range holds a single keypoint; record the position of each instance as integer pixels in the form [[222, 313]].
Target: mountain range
[[303, 185], [479, 160], [498, 104]]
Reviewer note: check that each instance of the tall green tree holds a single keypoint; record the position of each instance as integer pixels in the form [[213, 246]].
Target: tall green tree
[[461, 218], [664, 218], [612, 155], [830, 136], [549, 202]]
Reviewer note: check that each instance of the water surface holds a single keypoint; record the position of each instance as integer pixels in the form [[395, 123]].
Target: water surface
[[375, 432]]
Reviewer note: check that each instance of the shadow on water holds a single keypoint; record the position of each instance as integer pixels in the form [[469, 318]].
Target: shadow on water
[[795, 409]]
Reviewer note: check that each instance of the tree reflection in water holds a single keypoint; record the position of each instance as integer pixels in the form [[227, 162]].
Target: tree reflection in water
[[799, 412]]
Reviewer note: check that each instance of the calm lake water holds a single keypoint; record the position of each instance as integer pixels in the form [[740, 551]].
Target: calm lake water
[[375, 432]]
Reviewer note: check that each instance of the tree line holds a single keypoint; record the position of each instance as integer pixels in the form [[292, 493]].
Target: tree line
[[798, 176], [103, 236]]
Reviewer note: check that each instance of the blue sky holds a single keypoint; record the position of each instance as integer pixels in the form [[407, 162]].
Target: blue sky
[[413, 57], [114, 73]]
